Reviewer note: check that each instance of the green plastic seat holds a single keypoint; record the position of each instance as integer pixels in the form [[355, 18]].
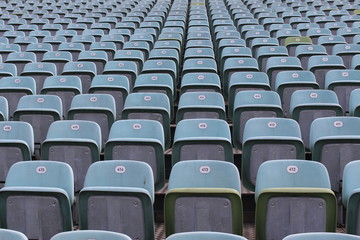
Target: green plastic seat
[[139, 140], [35, 190], [292, 42], [267, 139], [308, 105], [86, 234], [202, 139], [253, 104], [121, 186], [197, 193], [75, 142], [282, 183], [332, 135]]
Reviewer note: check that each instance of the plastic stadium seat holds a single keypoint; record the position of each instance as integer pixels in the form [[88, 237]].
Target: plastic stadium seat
[[292, 43], [138, 45], [161, 66], [212, 183], [208, 139], [308, 105], [99, 108], [4, 109], [197, 235], [201, 105], [118, 39], [354, 103], [73, 48], [128, 69], [346, 52], [39, 71], [139, 140], [350, 196], [86, 234], [304, 52], [37, 199], [199, 65], [348, 33], [342, 82], [253, 104], [59, 58], [11, 234], [11, 35], [136, 56], [66, 87], [355, 62], [86, 40], [100, 58], [7, 70], [334, 143], [200, 82], [321, 65], [329, 41], [108, 47], [321, 236], [20, 59], [282, 184], [25, 41], [275, 65], [334, 26], [39, 49], [84, 70], [268, 139], [75, 142], [264, 53], [262, 42], [13, 88], [118, 186], [152, 106], [16, 144]]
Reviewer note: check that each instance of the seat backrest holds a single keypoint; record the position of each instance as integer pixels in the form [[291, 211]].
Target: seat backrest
[[199, 235], [204, 174], [90, 234], [321, 236], [46, 174], [12, 234], [21, 132], [290, 173], [40, 102], [121, 173]]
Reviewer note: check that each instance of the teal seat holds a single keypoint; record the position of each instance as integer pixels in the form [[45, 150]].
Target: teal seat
[[334, 26], [39, 49], [169, 44], [152, 106], [264, 53], [40, 111], [350, 196], [37, 199], [229, 52], [342, 82], [125, 33], [334, 141], [315, 33], [304, 52], [143, 37], [86, 234], [354, 103], [11, 234], [208, 139], [99, 57], [348, 33], [199, 65], [13, 88], [275, 65], [346, 52], [287, 82], [131, 55], [234, 65], [75, 142], [108, 47], [84, 70], [320, 65], [262, 42], [200, 82], [96, 107], [16, 144], [118, 39], [321, 236], [66, 87], [139, 140], [6, 49], [355, 62], [283, 36], [59, 58], [8, 70], [161, 66], [229, 43], [200, 235], [267, 139], [20, 59], [203, 195], [4, 109], [128, 69], [308, 105], [115, 85], [253, 104], [251, 35], [329, 41], [193, 105], [118, 190], [138, 45], [242, 81], [73, 48], [39, 71], [199, 53], [281, 184]]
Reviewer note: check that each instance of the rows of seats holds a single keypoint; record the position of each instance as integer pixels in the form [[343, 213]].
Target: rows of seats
[[85, 81]]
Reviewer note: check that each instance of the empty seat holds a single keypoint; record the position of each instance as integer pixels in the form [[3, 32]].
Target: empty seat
[[20, 59], [208, 139], [334, 141], [139, 140], [308, 105], [84, 70], [125, 68], [149, 105], [75, 142], [96, 107], [59, 58], [346, 52], [11, 234], [268, 139], [292, 43], [66, 87], [264, 53], [118, 196], [200, 82], [100, 58], [283, 184], [202, 235], [204, 195], [39, 71], [329, 41], [86, 234], [37, 199], [304, 52], [321, 236], [253, 104]]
